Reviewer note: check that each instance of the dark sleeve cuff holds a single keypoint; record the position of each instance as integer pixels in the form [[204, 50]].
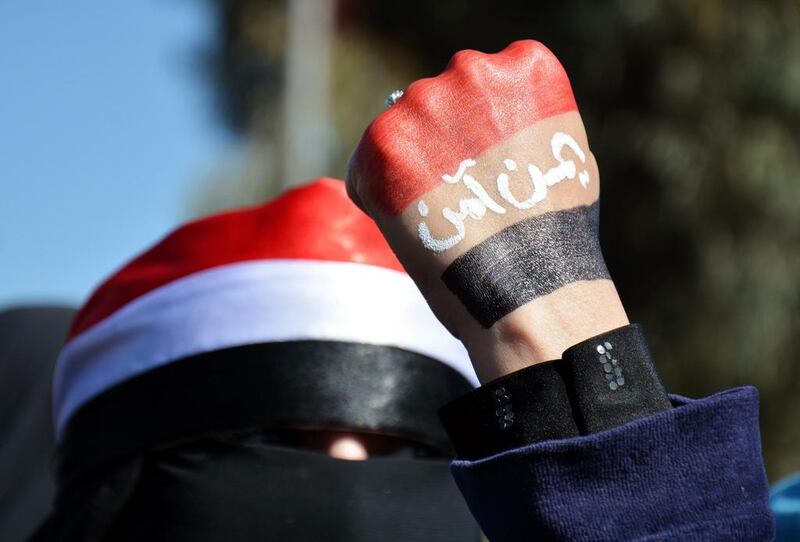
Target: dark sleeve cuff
[[602, 382], [612, 379], [693, 472], [526, 406]]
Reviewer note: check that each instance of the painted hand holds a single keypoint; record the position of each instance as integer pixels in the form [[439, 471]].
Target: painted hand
[[483, 183]]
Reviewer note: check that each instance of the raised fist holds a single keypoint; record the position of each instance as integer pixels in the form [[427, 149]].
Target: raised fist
[[483, 183]]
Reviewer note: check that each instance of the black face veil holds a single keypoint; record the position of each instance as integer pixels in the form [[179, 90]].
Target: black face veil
[[197, 459], [291, 494]]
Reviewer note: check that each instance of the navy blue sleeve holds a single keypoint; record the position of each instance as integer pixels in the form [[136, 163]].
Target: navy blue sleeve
[[693, 472]]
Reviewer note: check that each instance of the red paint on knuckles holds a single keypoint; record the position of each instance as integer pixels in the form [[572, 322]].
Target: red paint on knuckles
[[478, 101]]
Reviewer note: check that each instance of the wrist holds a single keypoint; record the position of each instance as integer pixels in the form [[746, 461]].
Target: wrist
[[544, 328]]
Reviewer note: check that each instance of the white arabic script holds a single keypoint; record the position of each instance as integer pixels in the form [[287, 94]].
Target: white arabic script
[[476, 207]]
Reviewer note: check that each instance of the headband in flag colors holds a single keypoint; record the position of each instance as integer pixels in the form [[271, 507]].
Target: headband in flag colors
[[527, 84], [308, 266]]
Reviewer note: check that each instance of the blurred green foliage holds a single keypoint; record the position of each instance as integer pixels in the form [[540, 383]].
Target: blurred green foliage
[[693, 110]]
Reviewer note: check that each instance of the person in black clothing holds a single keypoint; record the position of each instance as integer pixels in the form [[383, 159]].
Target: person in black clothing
[[185, 381], [263, 374]]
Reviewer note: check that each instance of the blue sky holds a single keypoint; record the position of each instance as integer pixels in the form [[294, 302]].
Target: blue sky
[[106, 129]]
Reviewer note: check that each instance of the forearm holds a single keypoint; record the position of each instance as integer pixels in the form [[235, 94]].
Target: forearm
[[586, 456], [544, 328], [483, 183]]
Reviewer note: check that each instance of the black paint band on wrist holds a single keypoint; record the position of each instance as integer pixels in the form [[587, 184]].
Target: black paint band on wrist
[[529, 259], [612, 380], [523, 407]]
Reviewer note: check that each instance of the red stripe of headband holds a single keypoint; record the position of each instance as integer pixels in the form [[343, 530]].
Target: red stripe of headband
[[313, 222]]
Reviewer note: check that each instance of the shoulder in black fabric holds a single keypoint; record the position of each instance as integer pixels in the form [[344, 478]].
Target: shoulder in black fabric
[[30, 338]]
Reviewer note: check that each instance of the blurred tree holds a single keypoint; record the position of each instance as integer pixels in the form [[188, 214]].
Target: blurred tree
[[693, 109], [250, 77]]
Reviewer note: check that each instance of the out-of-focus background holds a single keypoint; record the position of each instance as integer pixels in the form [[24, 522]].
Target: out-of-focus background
[[119, 121]]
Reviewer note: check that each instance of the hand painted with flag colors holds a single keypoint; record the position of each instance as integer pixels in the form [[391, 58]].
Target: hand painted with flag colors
[[483, 183]]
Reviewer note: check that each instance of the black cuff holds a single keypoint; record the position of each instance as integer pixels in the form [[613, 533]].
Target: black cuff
[[602, 382], [525, 406], [612, 380]]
